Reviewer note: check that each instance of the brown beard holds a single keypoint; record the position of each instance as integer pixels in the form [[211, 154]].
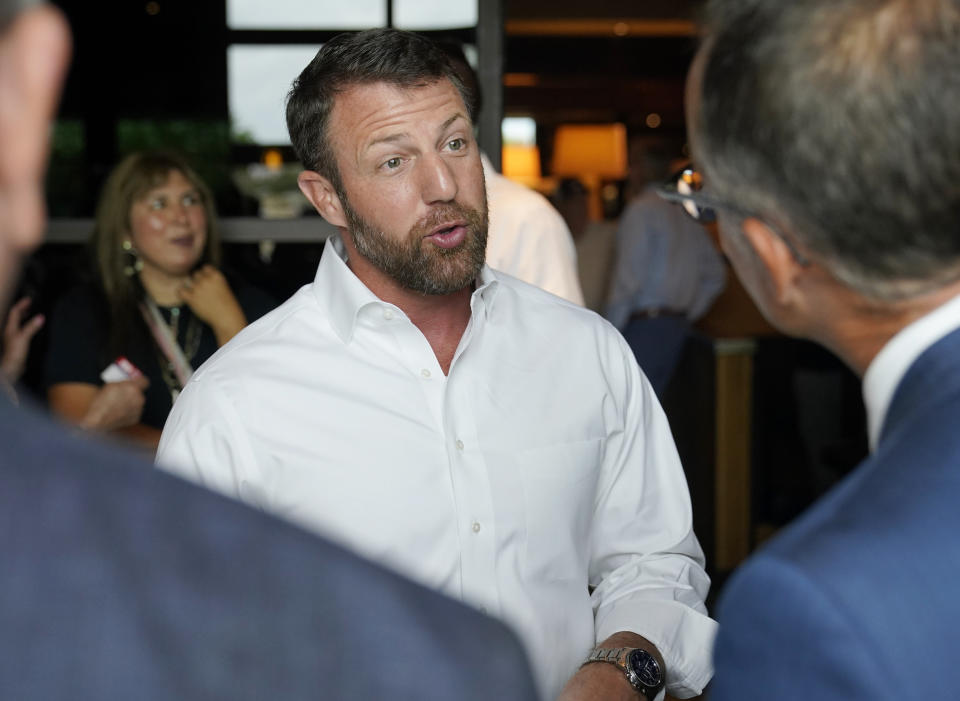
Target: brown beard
[[417, 264]]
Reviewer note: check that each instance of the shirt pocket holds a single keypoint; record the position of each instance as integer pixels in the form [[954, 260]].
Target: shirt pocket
[[559, 489]]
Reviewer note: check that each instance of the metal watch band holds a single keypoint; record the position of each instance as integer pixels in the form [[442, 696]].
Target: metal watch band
[[618, 657], [615, 655]]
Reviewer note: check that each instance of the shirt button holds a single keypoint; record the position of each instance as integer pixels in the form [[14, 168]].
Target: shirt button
[[459, 445], [476, 527], [388, 314], [425, 372]]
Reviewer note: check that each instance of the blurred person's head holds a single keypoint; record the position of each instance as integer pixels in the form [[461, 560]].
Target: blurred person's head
[[382, 124], [153, 209], [650, 163], [830, 128], [34, 53], [572, 200]]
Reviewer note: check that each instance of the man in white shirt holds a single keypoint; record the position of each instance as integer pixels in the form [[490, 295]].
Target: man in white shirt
[[528, 237], [827, 135], [410, 402]]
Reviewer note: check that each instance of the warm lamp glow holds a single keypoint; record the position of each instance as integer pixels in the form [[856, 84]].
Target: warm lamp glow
[[521, 163], [598, 150], [272, 159]]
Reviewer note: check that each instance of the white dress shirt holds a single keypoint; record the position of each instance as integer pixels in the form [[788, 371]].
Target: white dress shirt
[[540, 466], [895, 358], [528, 238]]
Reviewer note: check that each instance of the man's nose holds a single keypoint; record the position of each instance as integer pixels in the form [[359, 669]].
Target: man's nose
[[439, 184]]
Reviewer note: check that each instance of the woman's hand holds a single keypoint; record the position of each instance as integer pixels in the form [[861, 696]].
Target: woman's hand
[[116, 405], [16, 340], [209, 296]]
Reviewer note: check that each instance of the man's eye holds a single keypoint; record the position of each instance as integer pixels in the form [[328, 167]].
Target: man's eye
[[190, 200], [158, 203], [392, 163], [456, 144]]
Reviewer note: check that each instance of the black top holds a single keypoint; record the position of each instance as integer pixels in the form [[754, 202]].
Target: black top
[[79, 337]]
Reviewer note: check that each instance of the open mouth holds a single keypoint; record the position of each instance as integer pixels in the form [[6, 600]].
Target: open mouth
[[448, 235]]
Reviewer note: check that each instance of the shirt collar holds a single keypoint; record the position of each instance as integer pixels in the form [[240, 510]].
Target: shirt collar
[[895, 358], [344, 296]]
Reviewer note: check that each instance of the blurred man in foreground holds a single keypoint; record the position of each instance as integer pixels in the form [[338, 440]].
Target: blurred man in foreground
[[119, 581]]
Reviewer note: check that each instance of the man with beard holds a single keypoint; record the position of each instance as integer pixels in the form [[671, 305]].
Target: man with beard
[[410, 402]]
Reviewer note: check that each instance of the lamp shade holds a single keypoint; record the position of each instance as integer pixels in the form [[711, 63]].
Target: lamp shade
[[598, 150], [521, 162]]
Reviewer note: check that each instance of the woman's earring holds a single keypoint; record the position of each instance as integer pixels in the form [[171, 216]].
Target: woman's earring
[[136, 264]]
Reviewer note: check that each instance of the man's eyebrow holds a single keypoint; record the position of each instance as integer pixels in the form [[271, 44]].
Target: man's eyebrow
[[400, 136], [388, 139], [446, 124]]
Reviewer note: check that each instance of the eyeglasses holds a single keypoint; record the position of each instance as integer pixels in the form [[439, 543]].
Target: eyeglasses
[[685, 187]]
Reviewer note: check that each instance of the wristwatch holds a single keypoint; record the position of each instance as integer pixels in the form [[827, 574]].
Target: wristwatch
[[640, 667]]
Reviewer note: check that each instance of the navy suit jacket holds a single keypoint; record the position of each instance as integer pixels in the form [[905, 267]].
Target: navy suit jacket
[[860, 599], [119, 581]]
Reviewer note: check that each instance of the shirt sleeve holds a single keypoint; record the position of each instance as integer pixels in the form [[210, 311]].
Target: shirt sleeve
[[204, 441], [646, 564]]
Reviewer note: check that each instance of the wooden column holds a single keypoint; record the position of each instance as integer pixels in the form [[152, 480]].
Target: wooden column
[[734, 414]]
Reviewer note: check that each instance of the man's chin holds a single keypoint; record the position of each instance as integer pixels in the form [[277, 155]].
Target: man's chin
[[444, 284]]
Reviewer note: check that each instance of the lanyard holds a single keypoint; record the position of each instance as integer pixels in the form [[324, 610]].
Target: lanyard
[[166, 341]]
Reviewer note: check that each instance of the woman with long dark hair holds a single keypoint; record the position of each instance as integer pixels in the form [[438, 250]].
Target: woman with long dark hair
[[160, 305]]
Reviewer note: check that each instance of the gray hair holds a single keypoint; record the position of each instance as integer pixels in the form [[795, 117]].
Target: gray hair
[[837, 119]]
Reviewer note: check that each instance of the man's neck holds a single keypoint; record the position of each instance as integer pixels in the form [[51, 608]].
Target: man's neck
[[867, 326], [442, 319]]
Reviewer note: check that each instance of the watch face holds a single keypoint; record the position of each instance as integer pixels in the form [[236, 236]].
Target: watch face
[[643, 664]]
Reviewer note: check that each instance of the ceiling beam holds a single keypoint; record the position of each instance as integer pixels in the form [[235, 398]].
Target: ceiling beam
[[601, 27]]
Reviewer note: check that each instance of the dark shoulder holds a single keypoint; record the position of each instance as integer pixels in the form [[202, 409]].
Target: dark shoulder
[[81, 304], [253, 301]]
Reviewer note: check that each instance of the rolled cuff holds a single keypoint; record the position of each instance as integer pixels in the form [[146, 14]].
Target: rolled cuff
[[683, 635]]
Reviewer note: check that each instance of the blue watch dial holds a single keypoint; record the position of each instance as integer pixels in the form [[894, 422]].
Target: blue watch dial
[[645, 666]]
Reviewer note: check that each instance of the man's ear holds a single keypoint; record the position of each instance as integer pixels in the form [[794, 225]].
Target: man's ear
[[777, 257], [323, 196]]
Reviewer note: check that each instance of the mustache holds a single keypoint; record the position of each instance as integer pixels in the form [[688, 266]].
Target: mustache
[[443, 213]]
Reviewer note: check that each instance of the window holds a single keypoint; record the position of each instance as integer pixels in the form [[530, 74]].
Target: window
[[270, 43], [419, 15], [258, 79], [306, 14]]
